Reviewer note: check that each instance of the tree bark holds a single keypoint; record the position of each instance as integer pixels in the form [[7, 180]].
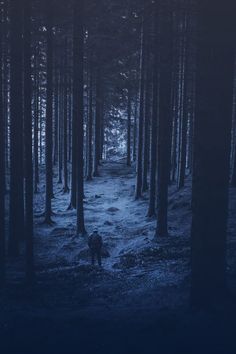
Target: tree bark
[[78, 107], [65, 125], [128, 161], [2, 167], [29, 229], [154, 122], [90, 128], [49, 112], [138, 192], [215, 63], [16, 218], [97, 135], [165, 117]]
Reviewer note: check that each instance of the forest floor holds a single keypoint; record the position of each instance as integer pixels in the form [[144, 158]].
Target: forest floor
[[137, 303]]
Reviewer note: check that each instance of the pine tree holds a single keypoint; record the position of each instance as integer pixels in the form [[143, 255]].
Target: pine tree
[[165, 117], [154, 120], [2, 167], [129, 107], [16, 218], [78, 107], [65, 125], [28, 143], [97, 133], [138, 192], [215, 63], [49, 112], [90, 128]]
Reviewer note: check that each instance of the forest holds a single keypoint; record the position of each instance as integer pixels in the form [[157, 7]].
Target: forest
[[117, 145]]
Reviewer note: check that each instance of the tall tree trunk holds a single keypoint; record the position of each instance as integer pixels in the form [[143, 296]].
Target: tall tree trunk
[[165, 118], [215, 62], [60, 129], [90, 128], [233, 148], [70, 121], [49, 109], [184, 109], [78, 107], [74, 157], [56, 112], [146, 135], [28, 143], [129, 128], [65, 125], [135, 129], [16, 219], [36, 123], [2, 166], [102, 124], [97, 135], [154, 122], [138, 192]]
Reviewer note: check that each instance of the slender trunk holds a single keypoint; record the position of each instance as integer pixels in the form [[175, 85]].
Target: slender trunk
[[138, 192], [129, 129], [60, 130], [97, 135], [70, 123], [74, 159], [2, 167], [49, 108], [135, 129], [185, 110], [56, 102], [146, 142], [165, 115], [102, 125], [16, 219], [233, 148], [65, 150], [154, 124], [90, 129], [29, 229], [36, 123], [78, 107]]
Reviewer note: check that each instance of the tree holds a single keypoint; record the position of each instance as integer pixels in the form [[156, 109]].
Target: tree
[[129, 107], [147, 113], [49, 112], [16, 218], [184, 87], [135, 128], [2, 168], [154, 120], [214, 92], [28, 143], [165, 117], [138, 192], [233, 149], [98, 118], [65, 135], [90, 128], [78, 107], [36, 123]]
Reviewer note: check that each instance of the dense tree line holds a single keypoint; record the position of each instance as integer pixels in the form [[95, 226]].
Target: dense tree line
[[84, 80]]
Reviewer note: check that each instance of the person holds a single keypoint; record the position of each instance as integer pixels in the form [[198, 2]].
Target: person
[[95, 245]]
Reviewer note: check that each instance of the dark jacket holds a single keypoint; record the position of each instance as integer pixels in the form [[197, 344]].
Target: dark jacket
[[95, 241]]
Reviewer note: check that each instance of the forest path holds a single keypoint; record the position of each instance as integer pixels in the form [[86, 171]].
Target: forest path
[[132, 258], [109, 206]]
